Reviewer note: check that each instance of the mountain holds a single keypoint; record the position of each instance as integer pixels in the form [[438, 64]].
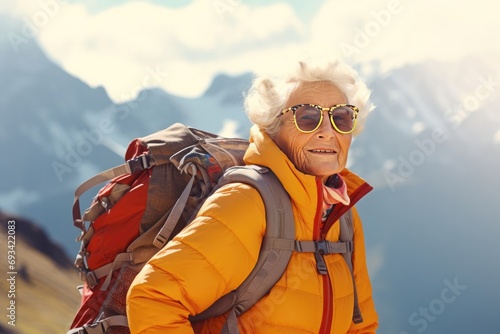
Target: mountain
[[41, 295], [37, 238], [431, 150]]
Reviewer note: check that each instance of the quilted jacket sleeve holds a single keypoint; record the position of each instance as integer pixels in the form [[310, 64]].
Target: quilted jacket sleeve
[[363, 285], [208, 259]]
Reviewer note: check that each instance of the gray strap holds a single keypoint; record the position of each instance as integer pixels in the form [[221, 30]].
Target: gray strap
[[92, 182], [328, 247], [263, 275], [113, 321], [278, 243], [231, 324], [103, 271], [347, 233], [135, 256], [102, 177], [176, 212], [119, 260], [279, 224], [139, 163], [145, 240], [98, 207], [272, 262], [85, 236], [101, 326]]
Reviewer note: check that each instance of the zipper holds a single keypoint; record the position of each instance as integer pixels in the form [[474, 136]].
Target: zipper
[[326, 318], [319, 234], [326, 321]]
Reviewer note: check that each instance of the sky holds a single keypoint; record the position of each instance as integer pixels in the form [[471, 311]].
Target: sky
[[126, 46]]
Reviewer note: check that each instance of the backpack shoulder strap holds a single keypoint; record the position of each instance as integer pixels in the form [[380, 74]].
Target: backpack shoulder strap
[[277, 246], [347, 234], [344, 246]]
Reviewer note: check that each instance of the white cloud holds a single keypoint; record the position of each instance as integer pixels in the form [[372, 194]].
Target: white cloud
[[115, 48], [21, 8], [395, 32], [118, 47], [17, 199], [229, 129]]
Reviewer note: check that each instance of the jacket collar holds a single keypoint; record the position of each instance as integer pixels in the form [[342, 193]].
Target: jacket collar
[[301, 187]]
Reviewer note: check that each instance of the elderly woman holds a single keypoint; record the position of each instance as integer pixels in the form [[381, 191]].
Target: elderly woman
[[303, 130]]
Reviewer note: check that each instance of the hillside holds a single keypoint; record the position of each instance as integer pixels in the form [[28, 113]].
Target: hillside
[[44, 289]]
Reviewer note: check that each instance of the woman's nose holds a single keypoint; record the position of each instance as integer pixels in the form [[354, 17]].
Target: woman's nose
[[326, 129]]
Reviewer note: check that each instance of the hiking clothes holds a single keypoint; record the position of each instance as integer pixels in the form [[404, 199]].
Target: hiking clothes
[[217, 251]]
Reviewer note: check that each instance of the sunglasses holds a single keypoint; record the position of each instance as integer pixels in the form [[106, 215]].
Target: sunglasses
[[308, 117]]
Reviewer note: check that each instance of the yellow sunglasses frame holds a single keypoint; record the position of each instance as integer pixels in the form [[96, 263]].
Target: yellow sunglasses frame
[[322, 109]]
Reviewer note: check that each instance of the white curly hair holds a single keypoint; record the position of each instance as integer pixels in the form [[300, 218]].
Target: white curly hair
[[268, 96]]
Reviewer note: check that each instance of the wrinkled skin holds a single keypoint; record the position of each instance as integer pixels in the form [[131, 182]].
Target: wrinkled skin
[[303, 148]]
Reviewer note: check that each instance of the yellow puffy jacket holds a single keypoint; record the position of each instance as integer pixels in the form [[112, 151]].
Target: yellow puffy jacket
[[214, 254]]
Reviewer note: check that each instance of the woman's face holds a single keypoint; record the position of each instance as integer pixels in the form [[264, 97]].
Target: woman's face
[[324, 151]]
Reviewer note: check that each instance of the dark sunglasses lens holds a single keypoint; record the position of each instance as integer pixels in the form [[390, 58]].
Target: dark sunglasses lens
[[343, 117], [307, 118]]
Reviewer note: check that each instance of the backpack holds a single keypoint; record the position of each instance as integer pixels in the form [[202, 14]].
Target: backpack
[[152, 197]]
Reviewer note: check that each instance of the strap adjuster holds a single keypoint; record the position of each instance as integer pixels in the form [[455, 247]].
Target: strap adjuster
[[89, 277], [321, 247], [349, 246], [139, 163]]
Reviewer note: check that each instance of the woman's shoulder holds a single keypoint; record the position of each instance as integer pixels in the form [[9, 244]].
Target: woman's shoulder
[[236, 193], [235, 203]]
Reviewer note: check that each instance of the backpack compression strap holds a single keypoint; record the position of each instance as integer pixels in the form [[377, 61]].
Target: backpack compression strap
[[344, 247], [131, 166]]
